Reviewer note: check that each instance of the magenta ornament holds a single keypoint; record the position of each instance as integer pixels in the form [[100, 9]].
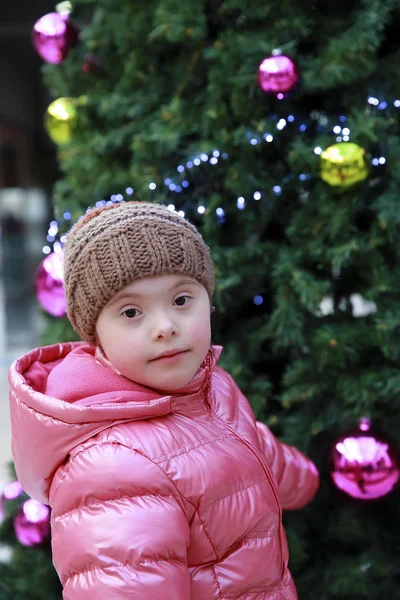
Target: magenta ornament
[[12, 491], [32, 523], [53, 36], [92, 64], [364, 464], [49, 285], [277, 74]]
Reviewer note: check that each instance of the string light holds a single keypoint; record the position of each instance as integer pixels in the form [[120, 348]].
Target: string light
[[203, 157]]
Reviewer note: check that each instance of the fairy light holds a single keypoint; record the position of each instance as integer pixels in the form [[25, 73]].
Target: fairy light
[[216, 153], [204, 157], [129, 191], [152, 186], [257, 195], [281, 124], [337, 129], [171, 207], [201, 210], [241, 203], [181, 213], [213, 160], [46, 249], [253, 142], [258, 300], [197, 162], [180, 168], [189, 164], [268, 137], [317, 150], [277, 190], [220, 212], [67, 216]]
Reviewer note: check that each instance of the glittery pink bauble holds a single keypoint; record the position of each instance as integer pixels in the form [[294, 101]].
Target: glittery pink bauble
[[53, 36], [364, 464], [277, 74], [49, 285], [32, 523]]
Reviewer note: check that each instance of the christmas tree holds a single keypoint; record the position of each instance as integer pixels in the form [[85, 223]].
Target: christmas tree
[[289, 168]]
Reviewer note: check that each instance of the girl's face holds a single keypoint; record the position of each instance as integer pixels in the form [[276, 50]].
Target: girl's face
[[153, 316]]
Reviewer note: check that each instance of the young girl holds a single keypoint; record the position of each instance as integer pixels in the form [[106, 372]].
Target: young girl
[[161, 482]]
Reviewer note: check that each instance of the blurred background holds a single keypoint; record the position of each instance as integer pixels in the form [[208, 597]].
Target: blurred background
[[28, 169]]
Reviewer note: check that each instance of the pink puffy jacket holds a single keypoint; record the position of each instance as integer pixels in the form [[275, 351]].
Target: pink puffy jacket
[[154, 497]]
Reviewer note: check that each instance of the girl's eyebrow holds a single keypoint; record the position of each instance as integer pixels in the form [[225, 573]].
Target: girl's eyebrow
[[126, 295]]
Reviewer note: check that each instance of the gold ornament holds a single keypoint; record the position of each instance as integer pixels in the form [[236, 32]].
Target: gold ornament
[[344, 164], [61, 120]]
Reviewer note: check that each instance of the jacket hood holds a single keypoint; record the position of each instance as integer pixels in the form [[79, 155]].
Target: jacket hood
[[60, 396]]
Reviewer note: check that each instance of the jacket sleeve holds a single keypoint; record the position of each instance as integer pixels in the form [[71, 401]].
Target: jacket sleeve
[[119, 528], [297, 477]]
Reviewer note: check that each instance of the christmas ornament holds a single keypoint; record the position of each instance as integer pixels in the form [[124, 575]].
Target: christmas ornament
[[49, 285], [364, 463], [344, 164], [92, 64], [12, 491], [32, 523], [61, 120], [277, 74], [53, 36]]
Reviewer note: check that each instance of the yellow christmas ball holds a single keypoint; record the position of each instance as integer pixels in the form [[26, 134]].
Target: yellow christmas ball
[[61, 120], [344, 164]]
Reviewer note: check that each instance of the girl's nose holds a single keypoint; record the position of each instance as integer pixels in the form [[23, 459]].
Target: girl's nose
[[164, 328]]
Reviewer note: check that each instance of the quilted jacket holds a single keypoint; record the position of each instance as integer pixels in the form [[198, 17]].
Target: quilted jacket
[[153, 496]]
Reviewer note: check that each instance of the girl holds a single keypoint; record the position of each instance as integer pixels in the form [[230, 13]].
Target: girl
[[161, 482]]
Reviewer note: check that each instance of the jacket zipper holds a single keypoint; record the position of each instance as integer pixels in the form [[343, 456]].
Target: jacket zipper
[[265, 467]]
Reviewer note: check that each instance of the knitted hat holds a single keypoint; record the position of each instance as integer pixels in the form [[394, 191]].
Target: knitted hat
[[113, 246]]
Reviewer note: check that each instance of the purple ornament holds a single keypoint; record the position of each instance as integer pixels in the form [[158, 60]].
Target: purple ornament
[[277, 74], [364, 464], [12, 491], [49, 285], [53, 36], [32, 523]]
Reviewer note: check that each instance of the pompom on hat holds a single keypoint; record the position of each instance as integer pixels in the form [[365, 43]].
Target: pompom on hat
[[112, 246]]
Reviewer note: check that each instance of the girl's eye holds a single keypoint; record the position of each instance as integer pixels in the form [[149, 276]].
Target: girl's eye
[[130, 313], [181, 300]]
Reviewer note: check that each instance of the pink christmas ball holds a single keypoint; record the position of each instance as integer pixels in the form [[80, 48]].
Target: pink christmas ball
[[49, 285], [364, 464], [53, 36], [32, 523], [12, 491], [277, 74]]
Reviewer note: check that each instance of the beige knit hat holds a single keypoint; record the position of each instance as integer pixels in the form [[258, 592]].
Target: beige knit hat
[[113, 246]]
